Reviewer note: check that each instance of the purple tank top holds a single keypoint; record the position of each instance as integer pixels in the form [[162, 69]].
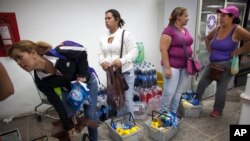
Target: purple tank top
[[177, 56], [222, 49]]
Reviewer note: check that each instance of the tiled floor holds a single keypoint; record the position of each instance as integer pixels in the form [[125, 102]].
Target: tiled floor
[[204, 128]]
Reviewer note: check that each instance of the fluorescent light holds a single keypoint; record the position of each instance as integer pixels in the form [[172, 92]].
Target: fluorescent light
[[214, 6], [206, 12]]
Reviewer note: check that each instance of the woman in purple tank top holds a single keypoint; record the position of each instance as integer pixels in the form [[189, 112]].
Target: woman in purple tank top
[[222, 44], [174, 62]]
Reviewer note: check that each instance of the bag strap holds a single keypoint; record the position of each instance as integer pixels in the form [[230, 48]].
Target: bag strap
[[122, 43], [183, 44], [120, 69]]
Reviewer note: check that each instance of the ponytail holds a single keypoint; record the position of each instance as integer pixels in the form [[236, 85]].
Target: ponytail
[[43, 47], [236, 20]]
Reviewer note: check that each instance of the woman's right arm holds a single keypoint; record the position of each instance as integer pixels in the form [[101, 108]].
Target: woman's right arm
[[164, 46], [6, 86], [102, 59]]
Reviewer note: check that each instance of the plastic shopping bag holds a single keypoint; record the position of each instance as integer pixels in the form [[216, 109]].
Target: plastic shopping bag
[[78, 94], [235, 65]]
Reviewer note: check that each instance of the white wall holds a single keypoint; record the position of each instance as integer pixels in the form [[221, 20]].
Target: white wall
[[79, 20]]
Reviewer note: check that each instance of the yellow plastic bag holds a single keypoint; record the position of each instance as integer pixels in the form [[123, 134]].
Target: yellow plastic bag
[[235, 65]]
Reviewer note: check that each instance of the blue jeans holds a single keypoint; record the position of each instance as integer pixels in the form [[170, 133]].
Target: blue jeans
[[89, 110], [173, 88], [129, 103]]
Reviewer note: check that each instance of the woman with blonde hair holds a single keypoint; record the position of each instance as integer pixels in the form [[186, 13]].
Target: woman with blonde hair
[[51, 72]]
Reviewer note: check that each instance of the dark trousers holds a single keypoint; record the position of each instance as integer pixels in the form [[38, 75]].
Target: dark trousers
[[221, 88]]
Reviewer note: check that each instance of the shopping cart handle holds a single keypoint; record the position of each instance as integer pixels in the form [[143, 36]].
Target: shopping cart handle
[[121, 116]]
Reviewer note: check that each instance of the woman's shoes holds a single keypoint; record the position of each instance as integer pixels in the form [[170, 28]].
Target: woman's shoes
[[84, 122], [61, 134], [215, 114], [79, 122]]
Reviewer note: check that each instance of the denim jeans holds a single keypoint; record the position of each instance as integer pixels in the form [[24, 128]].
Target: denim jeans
[[173, 88], [129, 103], [89, 110]]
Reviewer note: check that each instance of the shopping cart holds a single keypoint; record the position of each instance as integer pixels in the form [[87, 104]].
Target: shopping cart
[[47, 112]]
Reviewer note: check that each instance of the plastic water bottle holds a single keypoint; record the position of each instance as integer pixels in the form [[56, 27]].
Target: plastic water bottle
[[159, 90], [149, 95], [137, 60], [144, 77], [147, 72], [154, 75], [139, 73], [141, 52], [166, 120], [143, 96], [154, 91], [150, 77], [136, 70], [194, 101]]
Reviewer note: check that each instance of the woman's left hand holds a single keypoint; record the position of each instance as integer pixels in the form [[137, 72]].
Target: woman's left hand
[[234, 53], [116, 64]]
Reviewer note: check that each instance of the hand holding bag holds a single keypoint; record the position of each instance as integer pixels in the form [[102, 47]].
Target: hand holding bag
[[235, 65]]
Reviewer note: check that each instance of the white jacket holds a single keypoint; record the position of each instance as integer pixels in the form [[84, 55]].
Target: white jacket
[[111, 51]]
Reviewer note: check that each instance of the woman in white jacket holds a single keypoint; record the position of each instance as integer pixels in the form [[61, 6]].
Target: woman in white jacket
[[109, 54]]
